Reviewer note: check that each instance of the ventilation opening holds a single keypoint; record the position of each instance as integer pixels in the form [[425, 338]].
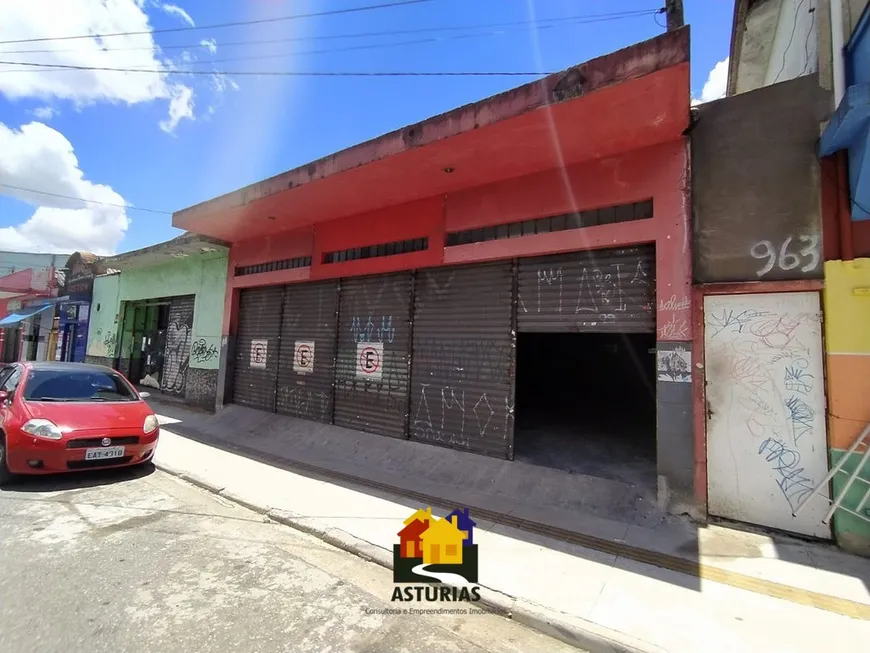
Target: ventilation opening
[[377, 251], [585, 403], [274, 266], [608, 215]]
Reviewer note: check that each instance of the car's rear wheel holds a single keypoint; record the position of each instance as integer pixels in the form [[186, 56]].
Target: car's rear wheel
[[5, 474]]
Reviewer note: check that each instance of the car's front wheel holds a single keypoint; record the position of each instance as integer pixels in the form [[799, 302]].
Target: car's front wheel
[[5, 474]]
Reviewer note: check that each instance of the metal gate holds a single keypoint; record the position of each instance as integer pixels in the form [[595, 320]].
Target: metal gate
[[176, 349], [766, 438], [256, 360], [463, 358], [596, 291], [306, 360], [372, 364]]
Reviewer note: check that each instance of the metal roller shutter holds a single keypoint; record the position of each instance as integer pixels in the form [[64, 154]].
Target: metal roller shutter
[[256, 360], [463, 359], [176, 350], [371, 374], [306, 362], [598, 291]]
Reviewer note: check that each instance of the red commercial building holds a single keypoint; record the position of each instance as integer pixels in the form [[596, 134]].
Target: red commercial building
[[511, 278]]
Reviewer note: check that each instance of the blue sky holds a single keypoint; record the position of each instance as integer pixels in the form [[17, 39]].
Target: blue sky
[[98, 135]]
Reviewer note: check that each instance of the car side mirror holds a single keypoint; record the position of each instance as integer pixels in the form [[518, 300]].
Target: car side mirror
[[144, 395]]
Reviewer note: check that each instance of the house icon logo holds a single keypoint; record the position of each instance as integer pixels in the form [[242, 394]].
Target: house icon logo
[[437, 551]]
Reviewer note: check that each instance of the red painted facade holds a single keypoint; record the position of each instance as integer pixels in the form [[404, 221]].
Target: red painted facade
[[628, 100], [605, 133], [654, 172]]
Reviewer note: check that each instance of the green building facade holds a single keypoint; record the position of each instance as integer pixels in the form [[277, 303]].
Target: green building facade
[[157, 316]]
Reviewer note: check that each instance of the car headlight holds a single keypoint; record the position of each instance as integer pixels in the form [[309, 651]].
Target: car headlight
[[151, 424], [42, 428]]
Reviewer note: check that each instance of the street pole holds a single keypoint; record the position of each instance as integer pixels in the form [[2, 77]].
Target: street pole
[[674, 11]]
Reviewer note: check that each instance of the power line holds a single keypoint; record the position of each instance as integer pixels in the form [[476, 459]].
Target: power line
[[276, 19], [363, 47], [580, 19], [81, 199], [282, 73]]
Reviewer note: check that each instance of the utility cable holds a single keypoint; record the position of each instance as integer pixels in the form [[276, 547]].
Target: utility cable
[[81, 199], [351, 48], [579, 19], [284, 73], [276, 19]]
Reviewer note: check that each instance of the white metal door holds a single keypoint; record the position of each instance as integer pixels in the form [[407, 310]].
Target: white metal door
[[766, 441]]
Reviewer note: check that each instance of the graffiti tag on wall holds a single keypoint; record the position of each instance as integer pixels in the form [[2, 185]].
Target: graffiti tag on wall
[[202, 351]]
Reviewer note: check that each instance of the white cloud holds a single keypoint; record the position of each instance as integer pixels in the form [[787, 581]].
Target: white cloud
[[44, 113], [716, 84], [38, 157], [175, 10], [180, 107], [209, 44], [25, 19], [219, 83]]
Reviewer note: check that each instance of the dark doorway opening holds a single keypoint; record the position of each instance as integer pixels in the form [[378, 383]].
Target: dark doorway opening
[[586, 403], [147, 326], [11, 345]]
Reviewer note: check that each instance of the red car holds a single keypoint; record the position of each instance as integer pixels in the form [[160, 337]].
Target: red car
[[61, 417]]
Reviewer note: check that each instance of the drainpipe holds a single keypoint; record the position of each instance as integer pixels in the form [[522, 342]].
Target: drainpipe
[[837, 51]]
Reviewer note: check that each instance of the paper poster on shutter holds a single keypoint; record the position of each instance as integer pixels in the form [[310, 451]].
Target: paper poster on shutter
[[259, 352], [369, 360], [303, 357]]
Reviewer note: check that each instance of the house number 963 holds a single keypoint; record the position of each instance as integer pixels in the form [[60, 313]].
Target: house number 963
[[804, 253]]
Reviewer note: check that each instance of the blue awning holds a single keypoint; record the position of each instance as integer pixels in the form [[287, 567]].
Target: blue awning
[[848, 121], [849, 129], [22, 314]]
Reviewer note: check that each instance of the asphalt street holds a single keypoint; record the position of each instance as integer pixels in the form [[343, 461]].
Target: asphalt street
[[141, 561]]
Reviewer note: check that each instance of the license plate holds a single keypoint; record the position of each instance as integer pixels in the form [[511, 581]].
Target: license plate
[[105, 452]]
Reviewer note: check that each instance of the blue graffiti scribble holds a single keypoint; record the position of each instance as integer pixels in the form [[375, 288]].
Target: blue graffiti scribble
[[797, 379], [372, 332], [801, 416], [784, 461]]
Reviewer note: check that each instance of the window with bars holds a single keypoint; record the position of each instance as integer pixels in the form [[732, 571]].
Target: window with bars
[[377, 251], [608, 215], [274, 266]]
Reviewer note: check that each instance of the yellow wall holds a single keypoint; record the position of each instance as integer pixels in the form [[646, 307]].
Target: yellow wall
[[847, 343], [847, 312]]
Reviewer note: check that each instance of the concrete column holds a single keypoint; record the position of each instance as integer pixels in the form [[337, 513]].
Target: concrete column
[[675, 445]]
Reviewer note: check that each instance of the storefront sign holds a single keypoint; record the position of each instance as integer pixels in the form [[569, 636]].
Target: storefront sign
[[259, 353], [13, 305], [369, 360], [303, 357]]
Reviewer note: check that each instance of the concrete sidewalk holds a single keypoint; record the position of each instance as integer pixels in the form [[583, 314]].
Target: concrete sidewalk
[[738, 593]]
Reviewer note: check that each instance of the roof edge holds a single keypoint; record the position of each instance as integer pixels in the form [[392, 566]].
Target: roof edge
[[738, 25], [183, 239], [633, 62]]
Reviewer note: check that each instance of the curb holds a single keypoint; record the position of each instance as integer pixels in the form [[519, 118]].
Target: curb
[[572, 631]]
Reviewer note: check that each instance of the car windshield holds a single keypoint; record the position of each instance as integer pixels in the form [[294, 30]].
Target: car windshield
[[77, 385]]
